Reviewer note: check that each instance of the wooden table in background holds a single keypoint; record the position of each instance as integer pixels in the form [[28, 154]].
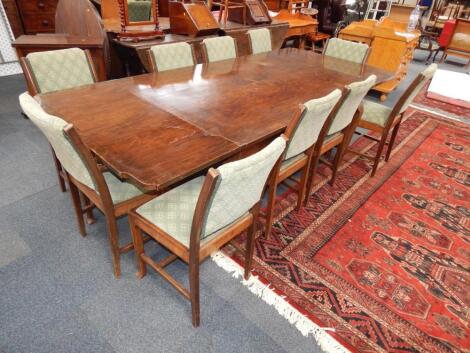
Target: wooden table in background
[[159, 129]]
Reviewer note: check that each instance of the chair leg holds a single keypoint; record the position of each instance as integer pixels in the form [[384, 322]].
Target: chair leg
[[250, 243], [338, 159], [302, 187], [138, 241], [59, 170], [269, 212], [90, 218], [392, 141], [311, 176], [379, 153], [77, 206], [194, 292], [114, 242]]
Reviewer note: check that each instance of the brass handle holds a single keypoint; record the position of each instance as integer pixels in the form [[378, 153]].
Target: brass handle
[[41, 5], [45, 23]]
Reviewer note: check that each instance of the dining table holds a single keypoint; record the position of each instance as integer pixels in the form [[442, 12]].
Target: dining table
[[159, 129]]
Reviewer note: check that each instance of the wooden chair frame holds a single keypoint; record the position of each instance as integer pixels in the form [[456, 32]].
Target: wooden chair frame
[[224, 6], [251, 44], [363, 60], [456, 51], [33, 90], [101, 199], [307, 164], [393, 122], [196, 252], [153, 63], [205, 56]]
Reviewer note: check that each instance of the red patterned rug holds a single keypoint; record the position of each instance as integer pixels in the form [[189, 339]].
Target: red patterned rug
[[423, 102], [383, 261]]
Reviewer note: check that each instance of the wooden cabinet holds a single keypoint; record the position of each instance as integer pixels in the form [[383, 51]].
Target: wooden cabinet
[[31, 16], [391, 45]]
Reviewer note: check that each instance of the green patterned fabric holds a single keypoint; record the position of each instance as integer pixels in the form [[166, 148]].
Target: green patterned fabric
[[349, 107], [260, 40], [314, 116], [53, 128], [172, 56], [238, 188], [139, 10], [59, 69], [220, 48], [376, 113], [346, 50], [428, 73]]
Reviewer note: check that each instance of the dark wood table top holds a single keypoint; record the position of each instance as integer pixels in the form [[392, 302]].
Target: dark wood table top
[[160, 128]]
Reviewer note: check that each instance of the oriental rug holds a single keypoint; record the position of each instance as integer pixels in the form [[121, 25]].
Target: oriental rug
[[384, 262]]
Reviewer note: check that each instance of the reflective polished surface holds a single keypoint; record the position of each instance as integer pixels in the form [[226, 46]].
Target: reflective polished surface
[[160, 128]]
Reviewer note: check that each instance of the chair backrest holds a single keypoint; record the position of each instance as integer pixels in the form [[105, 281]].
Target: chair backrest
[[346, 50], [171, 56], [312, 120], [357, 92], [53, 128], [260, 40], [239, 187], [219, 48], [59, 69], [413, 89]]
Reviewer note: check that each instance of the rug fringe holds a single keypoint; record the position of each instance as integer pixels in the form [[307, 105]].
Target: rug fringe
[[301, 322]]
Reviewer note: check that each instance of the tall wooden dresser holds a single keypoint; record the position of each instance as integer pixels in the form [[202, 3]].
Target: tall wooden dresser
[[31, 16]]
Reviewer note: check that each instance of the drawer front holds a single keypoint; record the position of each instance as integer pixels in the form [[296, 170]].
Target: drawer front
[[37, 6], [37, 23]]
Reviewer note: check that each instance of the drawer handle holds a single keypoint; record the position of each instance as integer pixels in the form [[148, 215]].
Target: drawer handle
[[45, 23], [41, 5]]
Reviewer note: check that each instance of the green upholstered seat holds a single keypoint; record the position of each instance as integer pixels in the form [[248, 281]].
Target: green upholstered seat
[[260, 40], [238, 189], [53, 128], [172, 56], [59, 69], [346, 50], [220, 48], [376, 113]]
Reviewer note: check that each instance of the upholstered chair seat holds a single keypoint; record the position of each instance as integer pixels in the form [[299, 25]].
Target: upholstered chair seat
[[260, 40], [292, 160], [346, 50], [171, 56], [219, 48], [200, 216], [381, 119], [376, 113], [108, 193]]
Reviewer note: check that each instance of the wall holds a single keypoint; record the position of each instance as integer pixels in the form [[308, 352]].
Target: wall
[[8, 61]]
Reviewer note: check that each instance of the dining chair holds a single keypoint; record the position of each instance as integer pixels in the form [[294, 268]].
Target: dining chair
[[55, 70], [308, 127], [171, 56], [108, 193], [381, 119], [219, 48], [341, 129], [347, 50], [200, 216], [260, 40]]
